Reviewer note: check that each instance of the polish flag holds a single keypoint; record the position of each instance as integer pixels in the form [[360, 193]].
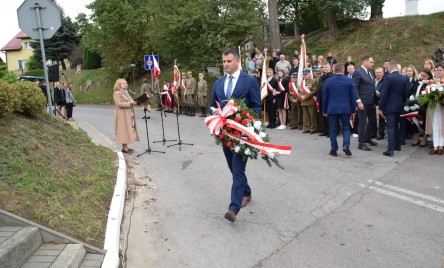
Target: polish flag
[[156, 68]]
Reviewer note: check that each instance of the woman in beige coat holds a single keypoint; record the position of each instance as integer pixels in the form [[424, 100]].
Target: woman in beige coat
[[124, 119]]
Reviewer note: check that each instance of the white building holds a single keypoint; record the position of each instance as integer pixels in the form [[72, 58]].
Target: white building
[[399, 8]]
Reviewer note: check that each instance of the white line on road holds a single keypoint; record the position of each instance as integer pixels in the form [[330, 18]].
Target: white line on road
[[402, 190], [408, 199]]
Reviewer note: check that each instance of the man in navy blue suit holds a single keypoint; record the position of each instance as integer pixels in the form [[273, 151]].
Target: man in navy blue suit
[[339, 102], [364, 83], [236, 84], [394, 93]]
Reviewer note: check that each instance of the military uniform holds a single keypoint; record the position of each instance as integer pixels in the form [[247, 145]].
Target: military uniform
[[146, 106], [295, 108], [191, 90], [202, 89], [183, 96], [309, 113]]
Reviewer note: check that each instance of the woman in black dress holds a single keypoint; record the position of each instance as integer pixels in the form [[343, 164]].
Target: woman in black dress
[[281, 95]]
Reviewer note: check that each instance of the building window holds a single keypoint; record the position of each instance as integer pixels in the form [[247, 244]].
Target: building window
[[22, 64], [27, 45]]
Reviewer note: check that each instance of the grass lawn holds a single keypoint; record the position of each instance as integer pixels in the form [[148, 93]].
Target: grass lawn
[[54, 175]]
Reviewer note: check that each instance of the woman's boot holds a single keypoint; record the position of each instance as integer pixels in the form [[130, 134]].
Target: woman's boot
[[423, 141], [415, 141]]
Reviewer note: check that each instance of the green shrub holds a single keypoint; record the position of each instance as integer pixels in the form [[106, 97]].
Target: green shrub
[[10, 78], [33, 101], [9, 98], [36, 72]]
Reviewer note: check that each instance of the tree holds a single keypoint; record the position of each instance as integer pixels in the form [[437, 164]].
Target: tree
[[376, 8], [275, 34], [59, 47]]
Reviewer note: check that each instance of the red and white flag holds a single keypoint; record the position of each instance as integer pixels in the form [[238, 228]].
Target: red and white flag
[[177, 79], [156, 68]]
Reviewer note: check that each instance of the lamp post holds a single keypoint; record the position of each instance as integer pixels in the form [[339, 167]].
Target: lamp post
[[132, 65]]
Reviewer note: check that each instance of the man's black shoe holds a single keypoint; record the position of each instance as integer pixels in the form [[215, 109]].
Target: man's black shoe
[[347, 151], [323, 134], [402, 142], [398, 148], [388, 153], [333, 153], [380, 138], [372, 143], [364, 147]]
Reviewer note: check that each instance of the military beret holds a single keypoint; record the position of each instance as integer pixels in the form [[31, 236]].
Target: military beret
[[306, 71]]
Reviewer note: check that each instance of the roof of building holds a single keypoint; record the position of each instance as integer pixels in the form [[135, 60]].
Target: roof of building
[[15, 43]]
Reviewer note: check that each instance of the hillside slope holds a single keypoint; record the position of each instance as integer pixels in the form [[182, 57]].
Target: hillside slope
[[408, 40]]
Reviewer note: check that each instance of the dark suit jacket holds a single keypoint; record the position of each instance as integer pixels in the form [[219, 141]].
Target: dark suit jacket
[[339, 96], [246, 88], [364, 86], [395, 91]]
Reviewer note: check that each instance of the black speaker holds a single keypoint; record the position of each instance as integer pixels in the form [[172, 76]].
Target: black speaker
[[53, 72]]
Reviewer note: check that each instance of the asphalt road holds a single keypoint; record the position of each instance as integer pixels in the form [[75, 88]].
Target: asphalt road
[[367, 210]]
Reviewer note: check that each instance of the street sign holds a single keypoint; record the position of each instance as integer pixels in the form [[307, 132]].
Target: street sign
[[148, 61], [48, 13]]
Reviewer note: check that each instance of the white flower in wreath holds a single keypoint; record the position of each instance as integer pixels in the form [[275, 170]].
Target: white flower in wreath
[[262, 134], [411, 98], [433, 89], [250, 129], [237, 149], [412, 108], [248, 151], [271, 155], [257, 125], [416, 106], [406, 108], [440, 89]]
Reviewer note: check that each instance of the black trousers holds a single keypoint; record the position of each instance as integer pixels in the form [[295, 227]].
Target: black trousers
[[69, 107], [367, 123]]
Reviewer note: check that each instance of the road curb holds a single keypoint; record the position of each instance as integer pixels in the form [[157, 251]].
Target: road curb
[[112, 235]]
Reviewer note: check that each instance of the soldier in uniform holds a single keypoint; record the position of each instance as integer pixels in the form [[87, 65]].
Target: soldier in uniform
[[183, 84], [202, 88], [295, 102], [191, 90], [146, 106], [308, 103]]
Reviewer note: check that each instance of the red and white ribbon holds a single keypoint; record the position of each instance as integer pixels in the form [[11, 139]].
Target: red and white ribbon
[[216, 123]]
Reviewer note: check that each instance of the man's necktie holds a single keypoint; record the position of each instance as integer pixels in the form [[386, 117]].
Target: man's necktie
[[369, 74], [229, 87]]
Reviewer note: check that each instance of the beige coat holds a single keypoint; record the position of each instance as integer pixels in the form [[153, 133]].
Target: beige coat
[[125, 132], [429, 119]]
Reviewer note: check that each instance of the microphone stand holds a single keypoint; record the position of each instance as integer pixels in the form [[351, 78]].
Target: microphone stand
[[162, 113], [178, 132], [148, 150]]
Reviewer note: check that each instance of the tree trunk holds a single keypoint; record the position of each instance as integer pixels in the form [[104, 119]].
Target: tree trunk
[[297, 28], [376, 8], [275, 34], [331, 22], [62, 62]]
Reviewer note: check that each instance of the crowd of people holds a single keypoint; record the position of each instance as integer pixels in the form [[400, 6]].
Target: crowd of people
[[380, 95], [62, 99]]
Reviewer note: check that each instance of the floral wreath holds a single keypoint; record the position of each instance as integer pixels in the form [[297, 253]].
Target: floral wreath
[[237, 128], [433, 93]]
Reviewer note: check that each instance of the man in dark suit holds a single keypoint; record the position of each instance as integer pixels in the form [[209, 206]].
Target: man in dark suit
[[394, 93], [339, 103], [238, 85], [364, 84]]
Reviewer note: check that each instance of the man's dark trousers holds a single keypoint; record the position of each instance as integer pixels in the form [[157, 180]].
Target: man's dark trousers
[[240, 187], [367, 123], [393, 131], [333, 121]]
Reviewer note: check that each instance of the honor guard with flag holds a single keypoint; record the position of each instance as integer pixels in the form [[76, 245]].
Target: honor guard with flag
[[295, 106], [309, 103], [191, 90], [183, 87], [202, 89]]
